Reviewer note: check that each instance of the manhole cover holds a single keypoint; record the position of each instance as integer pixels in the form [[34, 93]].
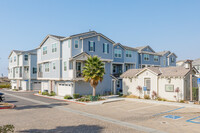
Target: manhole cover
[[164, 122]]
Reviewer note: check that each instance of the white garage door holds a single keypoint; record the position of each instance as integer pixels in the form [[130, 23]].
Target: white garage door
[[64, 89], [36, 86], [24, 85], [45, 86]]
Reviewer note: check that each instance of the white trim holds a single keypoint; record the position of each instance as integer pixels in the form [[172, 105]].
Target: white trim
[[49, 60]]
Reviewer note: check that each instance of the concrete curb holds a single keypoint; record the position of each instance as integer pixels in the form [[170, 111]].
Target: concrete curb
[[163, 102], [8, 107], [83, 103]]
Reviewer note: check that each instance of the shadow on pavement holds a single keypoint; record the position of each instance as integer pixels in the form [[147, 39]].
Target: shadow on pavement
[[68, 129], [11, 101], [39, 106]]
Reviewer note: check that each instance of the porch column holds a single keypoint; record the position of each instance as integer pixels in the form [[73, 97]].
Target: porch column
[[114, 87], [74, 69]]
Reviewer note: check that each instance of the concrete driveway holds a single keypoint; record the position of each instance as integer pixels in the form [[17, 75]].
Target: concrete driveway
[[40, 114]]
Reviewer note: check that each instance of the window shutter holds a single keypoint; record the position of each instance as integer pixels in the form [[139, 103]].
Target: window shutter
[[107, 48], [89, 45], [94, 46], [103, 47]]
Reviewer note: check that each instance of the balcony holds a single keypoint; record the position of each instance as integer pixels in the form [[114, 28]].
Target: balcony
[[117, 74], [79, 74]]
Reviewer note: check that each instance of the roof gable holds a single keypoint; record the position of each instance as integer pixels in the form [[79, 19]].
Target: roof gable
[[50, 36], [172, 54], [145, 48]]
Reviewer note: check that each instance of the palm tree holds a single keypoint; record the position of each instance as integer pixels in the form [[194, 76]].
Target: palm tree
[[93, 72]]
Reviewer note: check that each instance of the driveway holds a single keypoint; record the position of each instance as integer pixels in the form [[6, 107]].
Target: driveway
[[40, 114]]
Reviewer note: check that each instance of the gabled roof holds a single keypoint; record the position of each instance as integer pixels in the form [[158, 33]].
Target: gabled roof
[[84, 33], [160, 71], [119, 45], [79, 55], [162, 52], [196, 62], [172, 54], [126, 47], [52, 36], [18, 52], [143, 47], [98, 34]]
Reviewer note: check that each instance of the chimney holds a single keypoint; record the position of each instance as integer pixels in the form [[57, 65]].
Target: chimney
[[188, 64]]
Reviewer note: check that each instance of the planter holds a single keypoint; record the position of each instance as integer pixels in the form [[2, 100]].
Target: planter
[[191, 102], [93, 98], [6, 106]]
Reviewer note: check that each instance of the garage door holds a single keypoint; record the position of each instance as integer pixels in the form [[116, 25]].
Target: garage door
[[36, 86], [64, 89], [24, 85]]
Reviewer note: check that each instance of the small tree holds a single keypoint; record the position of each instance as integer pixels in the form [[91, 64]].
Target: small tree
[[177, 90], [139, 88], [154, 95], [93, 72]]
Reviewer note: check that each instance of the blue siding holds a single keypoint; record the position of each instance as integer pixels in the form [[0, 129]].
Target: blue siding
[[76, 51], [150, 61], [118, 59], [147, 49], [133, 59]]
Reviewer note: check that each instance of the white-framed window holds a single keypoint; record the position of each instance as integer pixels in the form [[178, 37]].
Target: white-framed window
[[26, 57], [11, 59], [105, 48], [16, 70], [91, 46], [26, 69], [34, 70], [169, 88], [76, 43], [70, 65], [156, 58], [44, 50], [146, 57], [54, 65], [65, 66], [54, 48], [15, 59], [172, 60], [118, 53], [128, 53], [46, 66]]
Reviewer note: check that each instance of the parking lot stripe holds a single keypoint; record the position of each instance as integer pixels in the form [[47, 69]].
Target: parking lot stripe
[[191, 120], [98, 117], [168, 111], [142, 108]]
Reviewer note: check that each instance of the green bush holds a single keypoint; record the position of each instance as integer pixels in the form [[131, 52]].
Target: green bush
[[146, 97], [84, 99], [76, 95], [5, 86], [7, 128], [68, 97], [45, 93], [15, 90], [182, 101], [52, 94]]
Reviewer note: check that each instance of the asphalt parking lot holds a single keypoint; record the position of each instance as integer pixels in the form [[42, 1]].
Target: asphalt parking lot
[[121, 116]]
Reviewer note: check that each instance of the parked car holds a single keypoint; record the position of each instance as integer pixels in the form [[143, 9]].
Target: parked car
[[2, 97]]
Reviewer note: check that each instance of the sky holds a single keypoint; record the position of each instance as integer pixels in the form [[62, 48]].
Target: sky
[[163, 24]]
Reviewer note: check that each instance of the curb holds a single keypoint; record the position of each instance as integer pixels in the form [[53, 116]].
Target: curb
[[59, 99], [8, 107]]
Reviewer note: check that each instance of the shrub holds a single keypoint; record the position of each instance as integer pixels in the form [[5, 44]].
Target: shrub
[[68, 97], [45, 93], [146, 97], [15, 90], [131, 96], [161, 99], [52, 93], [76, 95], [5, 85], [84, 99], [154, 94], [182, 101], [7, 128]]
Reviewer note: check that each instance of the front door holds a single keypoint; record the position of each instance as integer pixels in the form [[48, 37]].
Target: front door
[[78, 69], [147, 83]]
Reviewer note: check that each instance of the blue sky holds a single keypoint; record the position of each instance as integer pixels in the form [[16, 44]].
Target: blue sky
[[163, 24]]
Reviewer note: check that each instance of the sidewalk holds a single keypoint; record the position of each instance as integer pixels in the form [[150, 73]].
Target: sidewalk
[[109, 99]]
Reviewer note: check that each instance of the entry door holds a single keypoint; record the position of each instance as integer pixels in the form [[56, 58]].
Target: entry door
[[147, 83], [78, 69]]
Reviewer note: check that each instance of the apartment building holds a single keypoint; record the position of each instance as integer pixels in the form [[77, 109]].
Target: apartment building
[[22, 70]]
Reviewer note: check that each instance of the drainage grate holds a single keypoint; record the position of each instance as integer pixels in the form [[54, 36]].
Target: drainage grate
[[174, 117]]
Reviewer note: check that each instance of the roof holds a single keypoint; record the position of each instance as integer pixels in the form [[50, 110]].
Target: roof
[[143, 47], [196, 62], [59, 37], [18, 52], [126, 47], [162, 52], [172, 54], [160, 71]]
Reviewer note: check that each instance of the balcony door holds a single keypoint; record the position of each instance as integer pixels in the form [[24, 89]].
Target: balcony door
[[78, 69]]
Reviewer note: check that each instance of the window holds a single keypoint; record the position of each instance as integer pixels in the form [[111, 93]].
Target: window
[[54, 66], [146, 57], [91, 46], [15, 59], [105, 48], [114, 69], [172, 60], [76, 44], [26, 57], [65, 66], [118, 83], [156, 58], [34, 70], [70, 65], [54, 48], [46, 65], [68, 43], [16, 70], [169, 88], [164, 62], [11, 59], [26, 69], [118, 53], [44, 50], [128, 53]]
